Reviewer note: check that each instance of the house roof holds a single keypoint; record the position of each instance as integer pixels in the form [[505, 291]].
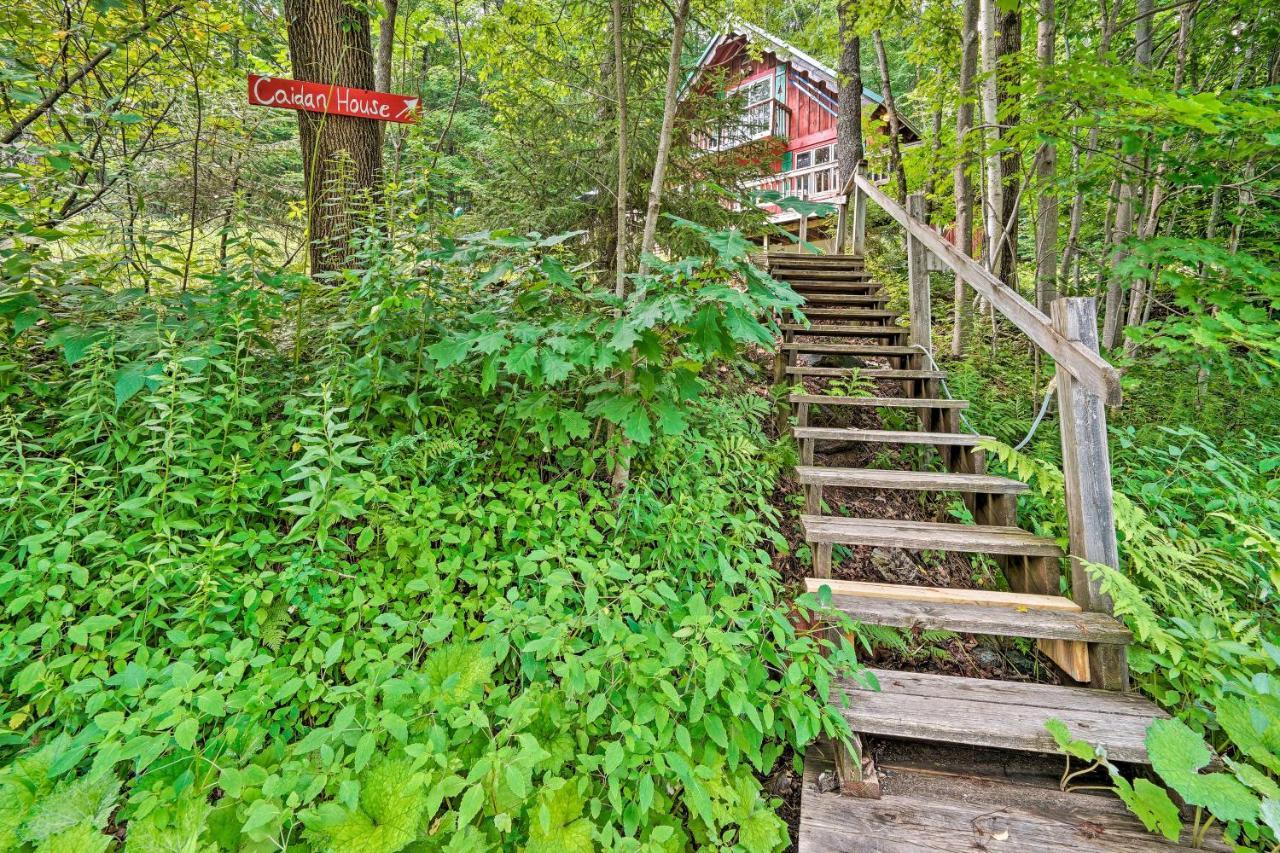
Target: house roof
[[792, 54]]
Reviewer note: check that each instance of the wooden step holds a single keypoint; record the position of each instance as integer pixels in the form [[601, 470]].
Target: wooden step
[[955, 807], [820, 347], [986, 612], [812, 274], [927, 536], [885, 436], [1001, 714], [851, 298], [922, 481], [857, 331], [810, 259], [855, 288], [860, 313], [878, 402], [865, 372]]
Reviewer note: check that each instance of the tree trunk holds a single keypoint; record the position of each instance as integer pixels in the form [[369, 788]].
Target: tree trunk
[[386, 45], [341, 155], [622, 466], [895, 126], [670, 101], [993, 183], [1046, 171], [963, 184], [1008, 48], [1151, 221], [850, 151]]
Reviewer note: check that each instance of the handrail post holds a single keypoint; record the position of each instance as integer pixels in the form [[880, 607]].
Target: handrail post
[[842, 225], [804, 231], [1086, 468], [859, 218], [918, 276]]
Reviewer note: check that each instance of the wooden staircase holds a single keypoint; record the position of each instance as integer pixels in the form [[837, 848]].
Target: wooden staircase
[[884, 809]]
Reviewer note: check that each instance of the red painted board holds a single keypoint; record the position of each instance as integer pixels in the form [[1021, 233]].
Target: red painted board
[[333, 100]]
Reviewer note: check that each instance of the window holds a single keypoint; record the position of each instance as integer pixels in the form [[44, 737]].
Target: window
[[804, 160], [822, 181], [802, 186], [822, 155]]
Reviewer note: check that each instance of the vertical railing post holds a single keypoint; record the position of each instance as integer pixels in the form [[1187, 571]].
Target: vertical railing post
[[1086, 468], [859, 218], [842, 225], [804, 231], [918, 276]]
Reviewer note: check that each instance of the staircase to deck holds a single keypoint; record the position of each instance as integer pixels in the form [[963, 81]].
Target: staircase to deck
[[938, 801]]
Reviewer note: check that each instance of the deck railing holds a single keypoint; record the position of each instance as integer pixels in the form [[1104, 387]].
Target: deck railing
[[1086, 382]]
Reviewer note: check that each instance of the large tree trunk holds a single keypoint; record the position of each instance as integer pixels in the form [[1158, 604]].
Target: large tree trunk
[[341, 155], [670, 101], [1008, 48], [850, 150], [963, 183], [895, 125], [1046, 171]]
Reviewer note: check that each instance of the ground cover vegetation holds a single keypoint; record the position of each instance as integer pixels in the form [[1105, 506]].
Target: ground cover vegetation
[[465, 541]]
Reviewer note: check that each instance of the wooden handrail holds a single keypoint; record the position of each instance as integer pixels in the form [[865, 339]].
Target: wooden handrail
[[1089, 368]]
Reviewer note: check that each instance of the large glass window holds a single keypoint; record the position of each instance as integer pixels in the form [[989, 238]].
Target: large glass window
[[804, 159], [822, 155]]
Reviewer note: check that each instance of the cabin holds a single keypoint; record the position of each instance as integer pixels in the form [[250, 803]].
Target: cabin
[[788, 122]]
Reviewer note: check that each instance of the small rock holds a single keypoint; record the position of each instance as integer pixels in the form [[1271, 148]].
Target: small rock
[[827, 782], [896, 566]]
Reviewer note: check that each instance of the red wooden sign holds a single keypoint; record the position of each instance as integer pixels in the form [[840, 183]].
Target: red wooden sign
[[334, 100]]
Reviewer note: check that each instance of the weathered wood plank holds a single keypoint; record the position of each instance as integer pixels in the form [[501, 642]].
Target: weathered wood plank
[[1078, 628], [850, 313], [866, 372], [880, 402], [957, 812], [875, 478], [918, 282], [883, 436], [944, 595], [1086, 468], [1086, 365], [820, 347], [1001, 714], [926, 536], [850, 298]]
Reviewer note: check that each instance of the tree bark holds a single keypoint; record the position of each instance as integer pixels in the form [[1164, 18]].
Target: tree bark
[[963, 183], [993, 183], [895, 125], [1046, 170], [1008, 48], [670, 101], [329, 42], [850, 150], [620, 116], [386, 45]]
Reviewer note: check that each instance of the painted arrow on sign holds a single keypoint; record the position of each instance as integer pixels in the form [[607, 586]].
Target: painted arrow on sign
[[332, 100]]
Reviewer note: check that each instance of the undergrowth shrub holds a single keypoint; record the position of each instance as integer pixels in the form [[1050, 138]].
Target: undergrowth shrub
[[334, 567]]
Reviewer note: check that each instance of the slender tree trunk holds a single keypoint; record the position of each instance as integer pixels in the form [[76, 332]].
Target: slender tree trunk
[[935, 163], [993, 183], [850, 151], [895, 125], [1046, 170], [329, 42], [1008, 49], [622, 467], [669, 103], [195, 172], [620, 116], [963, 183], [1151, 221], [386, 45]]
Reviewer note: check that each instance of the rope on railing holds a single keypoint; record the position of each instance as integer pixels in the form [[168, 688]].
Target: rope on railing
[[1035, 425]]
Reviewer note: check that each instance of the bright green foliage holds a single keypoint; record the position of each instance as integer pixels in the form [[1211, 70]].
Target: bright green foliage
[[358, 573], [1179, 754]]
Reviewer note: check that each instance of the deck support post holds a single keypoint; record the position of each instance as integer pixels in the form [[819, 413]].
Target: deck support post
[[804, 232], [1086, 468], [842, 226], [918, 276]]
